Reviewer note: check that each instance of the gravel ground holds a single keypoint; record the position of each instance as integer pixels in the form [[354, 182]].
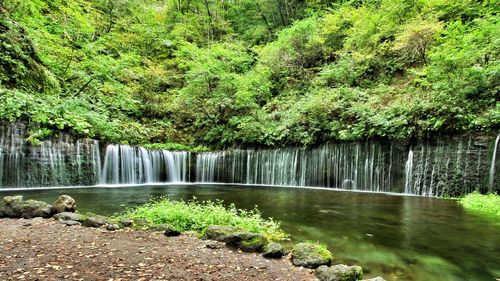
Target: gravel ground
[[38, 249]]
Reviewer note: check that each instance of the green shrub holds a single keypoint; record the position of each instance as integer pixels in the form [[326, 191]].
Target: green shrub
[[488, 205], [198, 216]]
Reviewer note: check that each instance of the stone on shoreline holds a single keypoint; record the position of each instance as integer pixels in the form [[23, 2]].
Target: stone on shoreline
[[64, 203], [310, 255], [112, 227], [340, 272], [15, 207], [95, 221], [69, 222], [68, 216], [126, 223], [246, 241], [219, 232], [273, 250]]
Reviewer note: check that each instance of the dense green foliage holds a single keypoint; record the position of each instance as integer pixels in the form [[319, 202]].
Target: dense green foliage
[[488, 205], [198, 216], [254, 72]]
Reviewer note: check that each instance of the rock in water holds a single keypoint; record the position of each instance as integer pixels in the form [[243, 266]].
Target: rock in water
[[219, 232], [95, 221], [310, 255], [64, 203], [273, 250], [340, 272]]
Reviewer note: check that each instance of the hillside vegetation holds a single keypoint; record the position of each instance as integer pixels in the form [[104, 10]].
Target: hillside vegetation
[[250, 72]]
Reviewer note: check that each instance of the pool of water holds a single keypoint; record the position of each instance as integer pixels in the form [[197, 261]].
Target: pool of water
[[398, 237]]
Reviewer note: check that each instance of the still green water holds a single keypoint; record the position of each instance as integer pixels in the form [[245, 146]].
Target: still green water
[[397, 237]]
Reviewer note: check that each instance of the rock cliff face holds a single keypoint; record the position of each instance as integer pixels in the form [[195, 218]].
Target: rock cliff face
[[20, 67]]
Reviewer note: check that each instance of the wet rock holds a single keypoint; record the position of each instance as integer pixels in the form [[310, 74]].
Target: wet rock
[[219, 232], [69, 216], [246, 241], [310, 255], [215, 245], [273, 250], [126, 222], [112, 227], [340, 272], [69, 222], [64, 203], [378, 278], [95, 221]]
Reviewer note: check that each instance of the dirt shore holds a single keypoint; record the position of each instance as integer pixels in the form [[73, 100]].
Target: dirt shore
[[43, 249]]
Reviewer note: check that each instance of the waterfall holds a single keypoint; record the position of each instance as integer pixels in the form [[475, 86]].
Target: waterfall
[[443, 167], [432, 168], [408, 173], [492, 166], [60, 161], [348, 166], [125, 164]]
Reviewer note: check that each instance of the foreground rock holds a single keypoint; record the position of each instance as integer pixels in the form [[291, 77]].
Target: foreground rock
[[69, 216], [95, 221], [15, 207], [340, 272], [246, 241], [273, 250], [234, 237], [219, 232], [310, 255], [64, 203]]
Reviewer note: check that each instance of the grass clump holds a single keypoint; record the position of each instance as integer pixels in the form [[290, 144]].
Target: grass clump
[[321, 249], [488, 205], [198, 216]]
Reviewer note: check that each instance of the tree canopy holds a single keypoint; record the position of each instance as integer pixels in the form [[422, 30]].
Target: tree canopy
[[250, 72]]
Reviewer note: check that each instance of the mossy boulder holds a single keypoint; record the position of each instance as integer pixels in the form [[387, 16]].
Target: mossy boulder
[[219, 232], [64, 203], [15, 207], [311, 255], [340, 272], [273, 250], [95, 221], [33, 208], [246, 241], [126, 222], [65, 216]]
